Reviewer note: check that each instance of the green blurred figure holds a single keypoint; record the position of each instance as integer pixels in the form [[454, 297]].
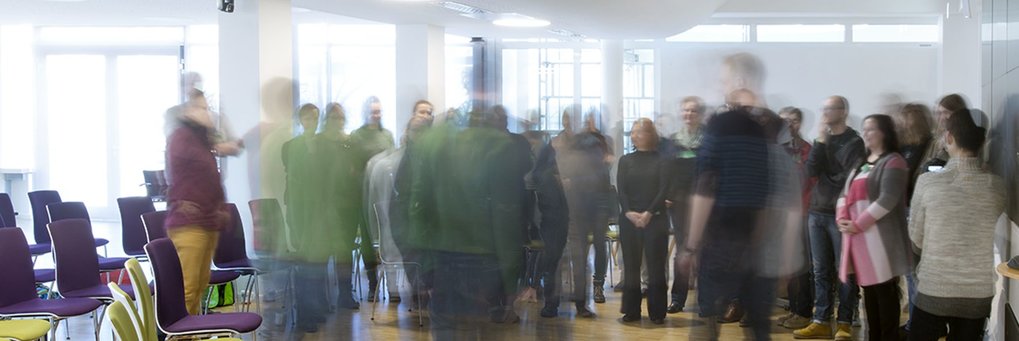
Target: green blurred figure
[[370, 139]]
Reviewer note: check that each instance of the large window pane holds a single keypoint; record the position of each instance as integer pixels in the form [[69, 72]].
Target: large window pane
[[895, 33], [76, 107], [801, 33], [147, 86], [713, 34]]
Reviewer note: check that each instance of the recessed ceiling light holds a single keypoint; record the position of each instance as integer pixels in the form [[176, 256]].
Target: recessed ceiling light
[[519, 20]]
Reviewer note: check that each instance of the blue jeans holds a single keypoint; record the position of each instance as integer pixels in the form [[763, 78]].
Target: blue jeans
[[826, 255]]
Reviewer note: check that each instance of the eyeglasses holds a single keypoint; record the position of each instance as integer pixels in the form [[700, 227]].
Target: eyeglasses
[[834, 108]]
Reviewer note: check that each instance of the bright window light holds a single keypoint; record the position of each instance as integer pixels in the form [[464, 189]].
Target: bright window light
[[713, 34], [92, 36], [895, 33], [801, 33]]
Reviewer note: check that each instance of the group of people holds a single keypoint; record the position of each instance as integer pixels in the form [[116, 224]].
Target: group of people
[[747, 201]]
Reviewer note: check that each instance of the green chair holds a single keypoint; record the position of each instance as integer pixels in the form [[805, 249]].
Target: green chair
[[143, 321], [24, 330]]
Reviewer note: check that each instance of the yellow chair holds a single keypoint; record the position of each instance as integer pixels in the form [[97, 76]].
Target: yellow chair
[[143, 322], [23, 330]]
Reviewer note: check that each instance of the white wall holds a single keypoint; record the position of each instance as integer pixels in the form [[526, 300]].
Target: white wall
[[803, 75]]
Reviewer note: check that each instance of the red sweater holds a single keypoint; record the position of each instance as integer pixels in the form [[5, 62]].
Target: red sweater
[[195, 196]]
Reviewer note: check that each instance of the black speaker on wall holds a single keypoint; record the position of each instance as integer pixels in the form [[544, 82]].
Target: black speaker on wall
[[1011, 326], [226, 6]]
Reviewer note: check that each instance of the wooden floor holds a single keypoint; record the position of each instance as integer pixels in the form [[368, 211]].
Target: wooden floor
[[395, 322]]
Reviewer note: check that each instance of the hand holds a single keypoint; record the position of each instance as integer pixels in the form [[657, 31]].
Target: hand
[[846, 226], [645, 218], [231, 148], [634, 218], [822, 133], [686, 262], [668, 203]]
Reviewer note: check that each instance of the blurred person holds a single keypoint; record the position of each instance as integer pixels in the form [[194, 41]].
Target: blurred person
[[221, 136], [305, 199], [585, 171], [341, 200], [465, 211], [396, 215], [552, 215], [196, 208], [423, 108], [371, 138], [836, 151], [871, 215], [680, 151], [952, 220], [936, 155], [730, 196], [801, 286], [912, 124], [744, 71], [643, 183]]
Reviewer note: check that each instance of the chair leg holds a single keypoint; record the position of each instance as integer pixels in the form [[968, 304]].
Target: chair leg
[[375, 304]]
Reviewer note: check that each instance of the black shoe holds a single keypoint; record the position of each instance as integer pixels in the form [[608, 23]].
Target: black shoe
[[584, 312], [629, 318], [658, 321], [675, 307], [372, 296], [549, 311], [599, 295], [394, 298]]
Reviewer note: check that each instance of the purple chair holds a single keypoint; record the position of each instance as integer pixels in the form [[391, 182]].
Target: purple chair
[[38, 201], [7, 214], [153, 223], [132, 228], [232, 255], [171, 313], [76, 210], [18, 297]]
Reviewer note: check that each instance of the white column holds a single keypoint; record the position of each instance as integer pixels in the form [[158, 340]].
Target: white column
[[256, 72], [959, 53], [420, 70], [612, 92]]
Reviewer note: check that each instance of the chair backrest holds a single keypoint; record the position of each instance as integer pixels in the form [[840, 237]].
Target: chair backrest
[[19, 279], [146, 307], [230, 246], [7, 214], [132, 328], [67, 210], [131, 226], [74, 252], [267, 226], [154, 222], [155, 184], [41, 217], [121, 319], [170, 306]]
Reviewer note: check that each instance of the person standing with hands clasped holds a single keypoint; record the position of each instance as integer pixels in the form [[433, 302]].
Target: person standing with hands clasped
[[871, 214], [644, 226]]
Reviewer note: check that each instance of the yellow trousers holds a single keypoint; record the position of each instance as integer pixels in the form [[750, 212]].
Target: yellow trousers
[[195, 247]]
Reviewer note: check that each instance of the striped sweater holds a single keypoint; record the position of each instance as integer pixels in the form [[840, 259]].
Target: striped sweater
[[874, 200]]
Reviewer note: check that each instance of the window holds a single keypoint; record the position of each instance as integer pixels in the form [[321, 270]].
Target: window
[[713, 34], [638, 90], [538, 84], [17, 97], [459, 65], [801, 33], [895, 33]]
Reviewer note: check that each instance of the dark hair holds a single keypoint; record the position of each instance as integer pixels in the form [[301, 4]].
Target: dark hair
[[919, 128], [793, 111], [952, 102], [887, 127], [420, 102], [966, 133]]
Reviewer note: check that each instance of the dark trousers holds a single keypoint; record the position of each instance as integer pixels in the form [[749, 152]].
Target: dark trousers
[[588, 216], [650, 243], [311, 305], [680, 277], [926, 327], [882, 304], [554, 237], [371, 262], [801, 294], [462, 297]]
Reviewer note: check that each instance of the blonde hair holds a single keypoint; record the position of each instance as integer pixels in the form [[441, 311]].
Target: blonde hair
[[913, 124]]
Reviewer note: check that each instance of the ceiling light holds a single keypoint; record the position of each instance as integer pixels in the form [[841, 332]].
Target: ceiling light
[[519, 20]]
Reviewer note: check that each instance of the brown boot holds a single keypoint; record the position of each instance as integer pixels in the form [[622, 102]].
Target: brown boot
[[733, 313]]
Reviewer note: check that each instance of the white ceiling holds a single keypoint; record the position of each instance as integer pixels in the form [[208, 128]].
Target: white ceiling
[[599, 19]]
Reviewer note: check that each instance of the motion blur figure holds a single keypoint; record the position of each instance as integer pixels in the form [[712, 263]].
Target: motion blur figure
[[341, 201], [465, 209], [371, 138]]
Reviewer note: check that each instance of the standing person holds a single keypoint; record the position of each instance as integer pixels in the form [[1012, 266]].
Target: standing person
[[195, 200], [554, 214], [801, 286], [837, 149], [371, 138], [342, 196], [936, 155], [912, 124], [681, 154], [643, 182], [304, 198], [951, 225], [586, 179], [872, 218]]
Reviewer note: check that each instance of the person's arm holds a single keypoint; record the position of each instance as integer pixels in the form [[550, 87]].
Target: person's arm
[[657, 205], [893, 187], [817, 161], [621, 188], [917, 215]]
